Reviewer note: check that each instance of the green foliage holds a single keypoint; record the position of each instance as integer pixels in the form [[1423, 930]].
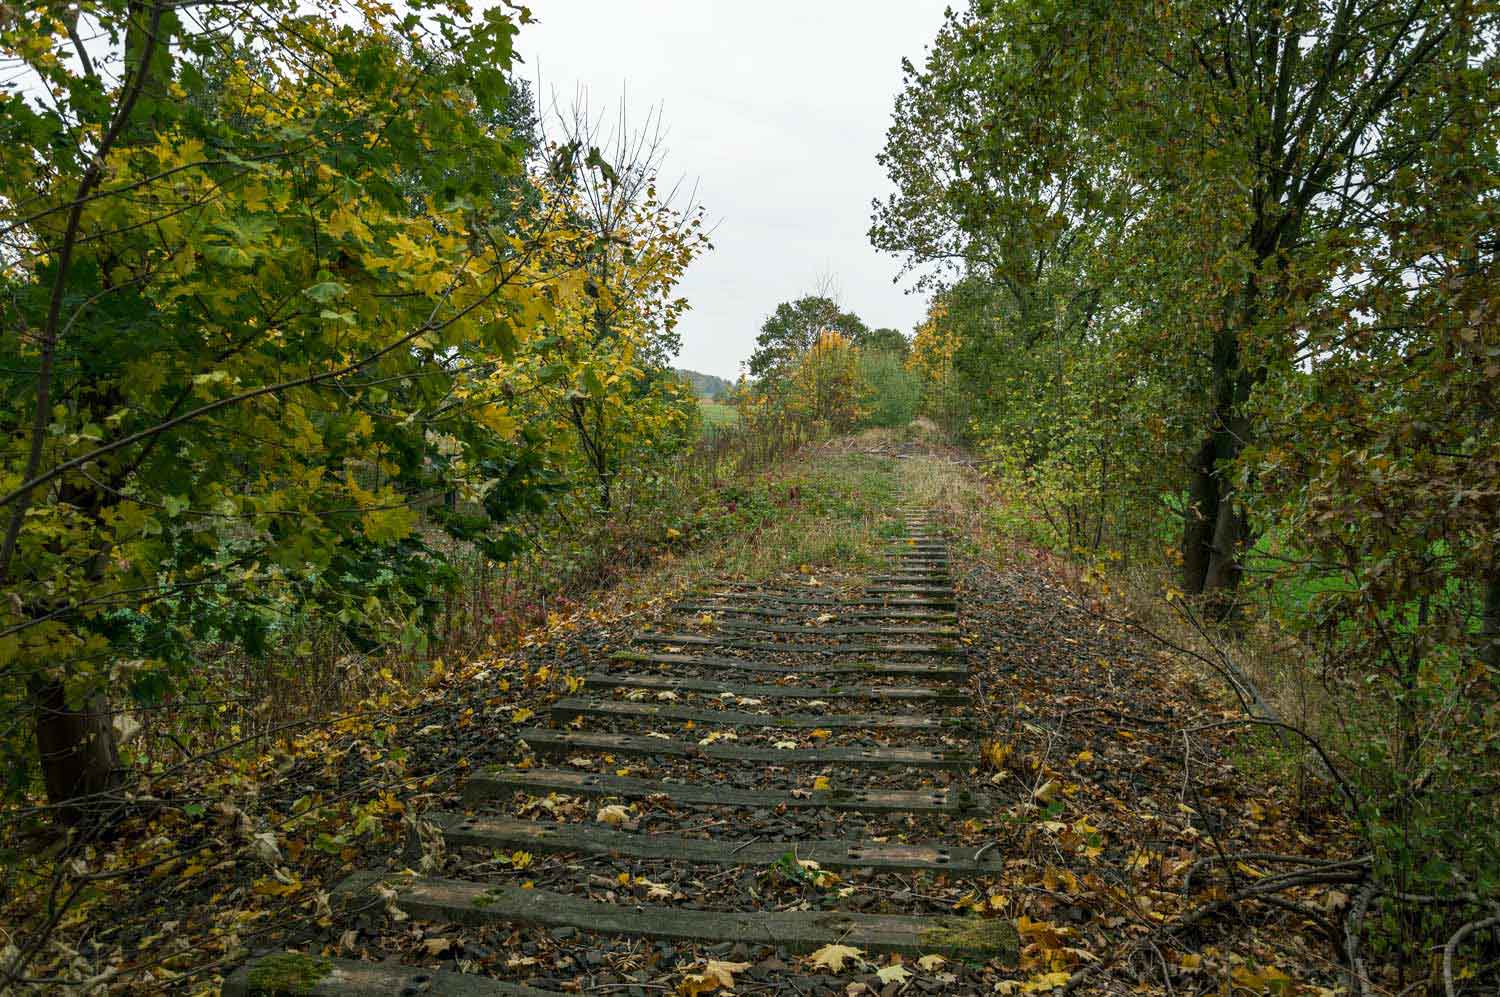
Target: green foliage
[[290, 325], [794, 328], [1234, 266], [883, 341], [893, 391]]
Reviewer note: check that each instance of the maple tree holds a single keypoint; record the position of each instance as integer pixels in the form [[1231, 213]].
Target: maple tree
[[274, 289]]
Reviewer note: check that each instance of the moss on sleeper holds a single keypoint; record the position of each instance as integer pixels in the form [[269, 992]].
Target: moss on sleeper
[[986, 937], [288, 973]]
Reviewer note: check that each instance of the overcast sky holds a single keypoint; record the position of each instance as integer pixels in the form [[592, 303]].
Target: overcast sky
[[777, 108]]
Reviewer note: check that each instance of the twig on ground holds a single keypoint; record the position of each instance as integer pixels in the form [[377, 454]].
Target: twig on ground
[[1454, 942]]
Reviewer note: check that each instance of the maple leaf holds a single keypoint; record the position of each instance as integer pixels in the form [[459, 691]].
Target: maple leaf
[[614, 815], [821, 784], [932, 962], [716, 974], [894, 973], [832, 957], [522, 715]]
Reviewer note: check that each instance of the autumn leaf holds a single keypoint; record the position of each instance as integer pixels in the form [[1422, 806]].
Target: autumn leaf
[[715, 975], [437, 946], [832, 957], [614, 815]]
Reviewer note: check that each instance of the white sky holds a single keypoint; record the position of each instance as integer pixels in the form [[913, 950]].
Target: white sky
[[777, 108]]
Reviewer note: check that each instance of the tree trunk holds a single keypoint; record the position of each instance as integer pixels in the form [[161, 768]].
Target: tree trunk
[[79, 757], [1230, 431], [1226, 560], [1489, 623], [1199, 518]]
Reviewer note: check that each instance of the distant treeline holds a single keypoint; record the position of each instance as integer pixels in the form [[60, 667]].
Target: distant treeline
[[706, 385]]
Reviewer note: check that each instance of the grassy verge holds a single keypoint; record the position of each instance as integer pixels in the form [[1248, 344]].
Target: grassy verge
[[716, 414]]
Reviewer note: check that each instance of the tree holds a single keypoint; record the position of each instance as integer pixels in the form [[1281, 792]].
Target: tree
[[1241, 137], [247, 279], [1280, 317], [639, 246], [794, 328], [885, 340]]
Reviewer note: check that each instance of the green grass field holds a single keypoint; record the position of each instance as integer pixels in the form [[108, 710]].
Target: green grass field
[[716, 414]]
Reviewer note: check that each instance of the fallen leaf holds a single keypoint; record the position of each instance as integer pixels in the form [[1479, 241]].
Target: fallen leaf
[[614, 815], [821, 784], [522, 715], [833, 957], [265, 848], [931, 962], [894, 973], [437, 946], [724, 971]]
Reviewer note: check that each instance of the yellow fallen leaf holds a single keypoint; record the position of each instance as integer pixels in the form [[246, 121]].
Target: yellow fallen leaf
[[522, 715], [931, 962], [716, 974], [694, 984], [821, 734], [894, 973], [613, 815], [833, 957], [821, 784], [724, 971], [1047, 981]]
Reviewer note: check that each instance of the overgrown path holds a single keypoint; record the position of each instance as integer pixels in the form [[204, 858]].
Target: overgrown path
[[846, 749], [760, 729]]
